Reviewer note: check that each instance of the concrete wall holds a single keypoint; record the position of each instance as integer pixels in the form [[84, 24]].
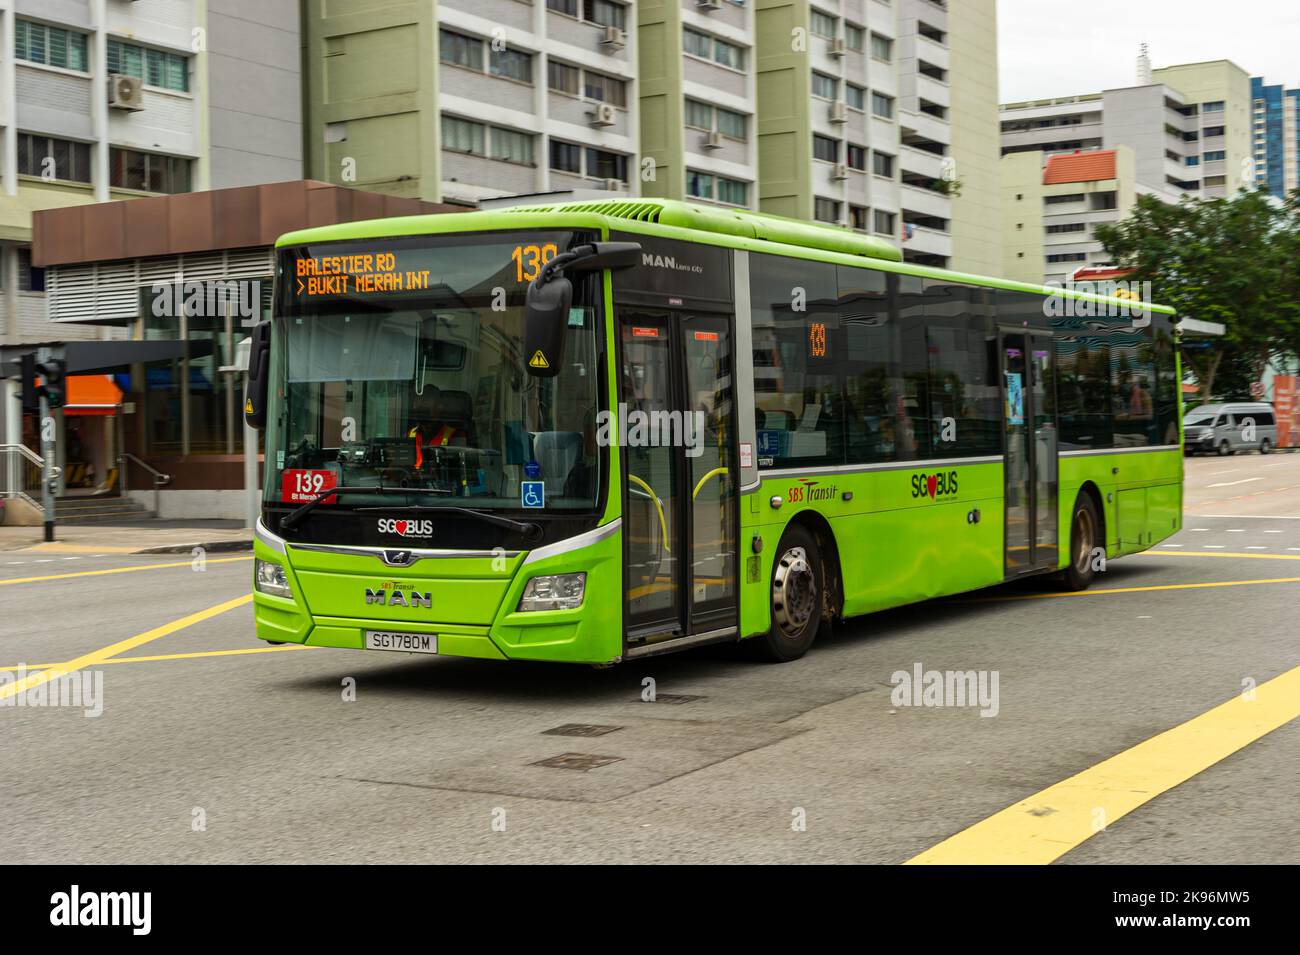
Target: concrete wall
[[973, 79]]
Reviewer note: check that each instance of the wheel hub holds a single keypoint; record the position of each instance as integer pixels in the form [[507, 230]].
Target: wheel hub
[[794, 591]]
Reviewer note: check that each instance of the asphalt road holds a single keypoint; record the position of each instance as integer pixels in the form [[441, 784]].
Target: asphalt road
[[212, 748]]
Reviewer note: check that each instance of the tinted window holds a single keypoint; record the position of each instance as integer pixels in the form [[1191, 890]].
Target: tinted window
[[963, 395], [872, 385], [1132, 380]]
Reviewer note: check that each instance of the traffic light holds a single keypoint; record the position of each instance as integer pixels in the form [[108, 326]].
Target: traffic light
[[31, 398], [53, 381]]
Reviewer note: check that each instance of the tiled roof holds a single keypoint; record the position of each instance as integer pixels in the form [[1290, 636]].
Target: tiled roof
[[1080, 167]]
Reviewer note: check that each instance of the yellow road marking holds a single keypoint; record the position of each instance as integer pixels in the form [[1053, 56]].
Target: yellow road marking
[[1042, 828], [102, 655], [173, 656], [1130, 590], [1215, 553], [118, 570]]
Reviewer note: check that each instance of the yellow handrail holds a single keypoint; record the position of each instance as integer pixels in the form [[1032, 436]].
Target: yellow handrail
[[663, 525], [696, 492]]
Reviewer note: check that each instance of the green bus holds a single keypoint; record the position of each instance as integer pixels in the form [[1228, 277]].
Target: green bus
[[598, 431]]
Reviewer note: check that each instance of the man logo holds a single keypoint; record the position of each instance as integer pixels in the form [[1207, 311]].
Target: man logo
[[397, 598]]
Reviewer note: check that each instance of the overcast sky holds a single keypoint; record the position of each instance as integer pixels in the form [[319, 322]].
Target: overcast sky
[[1052, 48]]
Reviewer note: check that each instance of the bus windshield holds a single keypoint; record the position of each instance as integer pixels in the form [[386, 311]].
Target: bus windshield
[[399, 363]]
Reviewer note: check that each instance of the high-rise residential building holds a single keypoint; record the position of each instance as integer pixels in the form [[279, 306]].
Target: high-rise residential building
[[1219, 92], [830, 110], [463, 100], [110, 99], [976, 147], [1052, 204], [1275, 132]]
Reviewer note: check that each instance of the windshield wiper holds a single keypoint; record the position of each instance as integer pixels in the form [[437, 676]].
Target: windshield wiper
[[294, 516], [530, 530]]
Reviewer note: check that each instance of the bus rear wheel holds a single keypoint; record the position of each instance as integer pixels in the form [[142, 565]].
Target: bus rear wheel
[[796, 598], [1085, 536]]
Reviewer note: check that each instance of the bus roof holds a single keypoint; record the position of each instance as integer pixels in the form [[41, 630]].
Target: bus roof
[[670, 218]]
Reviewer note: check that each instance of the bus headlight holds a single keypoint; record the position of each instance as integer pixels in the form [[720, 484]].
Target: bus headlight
[[269, 578], [554, 592]]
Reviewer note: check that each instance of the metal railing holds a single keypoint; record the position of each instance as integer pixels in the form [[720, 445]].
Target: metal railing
[[21, 473], [160, 480]]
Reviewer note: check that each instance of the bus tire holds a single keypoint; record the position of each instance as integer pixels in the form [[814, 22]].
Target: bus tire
[[796, 598], [1265, 446], [1084, 530]]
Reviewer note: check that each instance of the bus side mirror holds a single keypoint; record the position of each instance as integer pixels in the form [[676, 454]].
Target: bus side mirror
[[546, 314], [259, 362]]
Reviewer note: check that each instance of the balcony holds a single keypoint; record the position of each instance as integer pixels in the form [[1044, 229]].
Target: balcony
[[923, 201], [926, 241], [923, 125]]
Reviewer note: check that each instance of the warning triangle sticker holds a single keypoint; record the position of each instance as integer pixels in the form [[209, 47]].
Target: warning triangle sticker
[[538, 360], [248, 406]]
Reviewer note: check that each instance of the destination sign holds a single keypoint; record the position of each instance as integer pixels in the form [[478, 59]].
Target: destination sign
[[362, 273]]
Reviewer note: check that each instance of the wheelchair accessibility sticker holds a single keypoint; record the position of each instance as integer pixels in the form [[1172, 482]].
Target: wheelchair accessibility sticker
[[533, 493]]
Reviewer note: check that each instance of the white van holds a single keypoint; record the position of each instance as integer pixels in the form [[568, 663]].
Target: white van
[[1230, 427]]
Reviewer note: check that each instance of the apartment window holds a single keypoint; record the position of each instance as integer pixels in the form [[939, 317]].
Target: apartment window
[[460, 50], [63, 158], [827, 87], [606, 89], [1213, 155], [1213, 131], [821, 24], [31, 278], [52, 46], [855, 96], [169, 71], [699, 185], [728, 54], [1192, 161], [1068, 257], [511, 146], [1214, 107], [512, 64], [566, 157], [882, 164], [826, 210], [463, 136], [857, 157], [825, 148], [1214, 180], [699, 115], [884, 222], [602, 164], [1067, 227], [563, 78], [1104, 200], [710, 48], [855, 37], [604, 13], [882, 106], [731, 123], [149, 172], [1058, 200], [858, 218], [882, 48], [733, 192], [697, 44]]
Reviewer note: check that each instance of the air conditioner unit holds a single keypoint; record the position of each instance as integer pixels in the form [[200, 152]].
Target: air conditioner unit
[[837, 47], [713, 140], [615, 185], [614, 38], [602, 114], [839, 112], [840, 171], [125, 92], [707, 5]]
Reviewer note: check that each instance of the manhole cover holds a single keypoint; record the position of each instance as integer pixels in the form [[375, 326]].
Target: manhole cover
[[674, 698], [579, 761], [580, 729]]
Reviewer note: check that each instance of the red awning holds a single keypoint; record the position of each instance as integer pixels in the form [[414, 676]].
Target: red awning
[[92, 395]]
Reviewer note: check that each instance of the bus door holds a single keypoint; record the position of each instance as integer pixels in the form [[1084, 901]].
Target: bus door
[[681, 505], [1029, 421]]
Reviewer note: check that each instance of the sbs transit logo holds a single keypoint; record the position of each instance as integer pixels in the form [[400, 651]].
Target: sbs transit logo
[[934, 486], [388, 525]]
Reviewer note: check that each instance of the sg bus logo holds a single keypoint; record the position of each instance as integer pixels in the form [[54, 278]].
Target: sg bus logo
[[934, 485]]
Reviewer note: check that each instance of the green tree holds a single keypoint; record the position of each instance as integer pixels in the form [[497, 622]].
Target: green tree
[[1232, 261]]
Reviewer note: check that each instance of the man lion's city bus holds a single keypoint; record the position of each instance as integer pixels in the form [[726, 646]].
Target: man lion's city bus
[[592, 432]]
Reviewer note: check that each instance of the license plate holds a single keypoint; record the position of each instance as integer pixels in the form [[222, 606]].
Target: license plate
[[402, 642]]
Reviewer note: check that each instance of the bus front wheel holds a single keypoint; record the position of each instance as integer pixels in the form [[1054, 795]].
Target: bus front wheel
[[1085, 527], [796, 598]]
